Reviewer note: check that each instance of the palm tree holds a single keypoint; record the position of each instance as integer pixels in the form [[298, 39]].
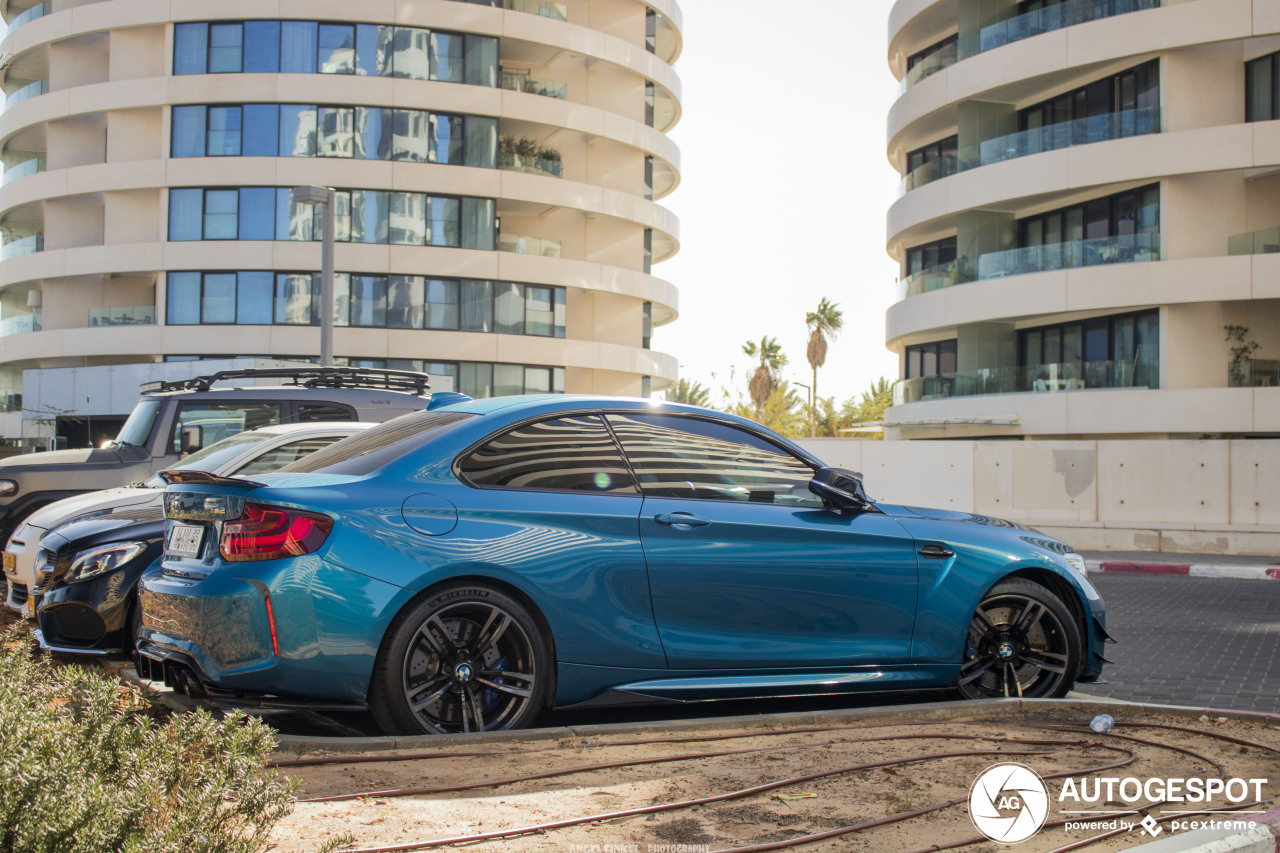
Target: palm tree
[[765, 379], [689, 392], [824, 324]]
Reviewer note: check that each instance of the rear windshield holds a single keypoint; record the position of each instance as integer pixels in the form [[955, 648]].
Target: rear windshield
[[377, 446]]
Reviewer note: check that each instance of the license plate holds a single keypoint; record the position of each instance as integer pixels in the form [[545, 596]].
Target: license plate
[[10, 563], [184, 540]]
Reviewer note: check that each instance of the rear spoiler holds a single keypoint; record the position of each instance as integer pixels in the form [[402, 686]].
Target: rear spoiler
[[205, 477]]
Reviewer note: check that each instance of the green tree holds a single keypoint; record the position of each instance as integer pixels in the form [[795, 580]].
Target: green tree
[[824, 325], [765, 379], [784, 411], [689, 392], [871, 407]]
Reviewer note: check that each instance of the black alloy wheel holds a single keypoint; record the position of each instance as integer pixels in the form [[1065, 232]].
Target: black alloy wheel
[[1022, 642], [468, 659]]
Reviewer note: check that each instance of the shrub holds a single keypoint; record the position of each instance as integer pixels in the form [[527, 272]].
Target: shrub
[[85, 767]]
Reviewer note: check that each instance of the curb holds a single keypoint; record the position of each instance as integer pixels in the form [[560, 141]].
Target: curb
[[1263, 838], [1195, 570]]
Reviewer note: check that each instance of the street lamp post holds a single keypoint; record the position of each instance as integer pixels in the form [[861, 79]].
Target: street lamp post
[[323, 196], [812, 429]]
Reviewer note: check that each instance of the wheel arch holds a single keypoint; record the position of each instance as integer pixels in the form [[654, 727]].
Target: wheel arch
[[1063, 589]]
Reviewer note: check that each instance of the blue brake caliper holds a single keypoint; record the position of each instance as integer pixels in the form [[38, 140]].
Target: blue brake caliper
[[491, 696]]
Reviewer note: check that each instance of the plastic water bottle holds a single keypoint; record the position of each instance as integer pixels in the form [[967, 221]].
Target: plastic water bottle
[[1102, 723]]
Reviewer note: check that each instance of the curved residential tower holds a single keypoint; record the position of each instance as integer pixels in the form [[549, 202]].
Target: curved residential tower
[[499, 168], [1089, 222]]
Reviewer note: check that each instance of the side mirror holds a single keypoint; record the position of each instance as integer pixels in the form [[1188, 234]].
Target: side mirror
[[192, 439], [843, 488]]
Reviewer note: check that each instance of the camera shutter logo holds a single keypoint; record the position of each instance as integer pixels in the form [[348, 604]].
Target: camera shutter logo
[[1008, 803]]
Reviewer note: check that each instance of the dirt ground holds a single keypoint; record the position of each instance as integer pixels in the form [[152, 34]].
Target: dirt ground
[[848, 796], [826, 785]]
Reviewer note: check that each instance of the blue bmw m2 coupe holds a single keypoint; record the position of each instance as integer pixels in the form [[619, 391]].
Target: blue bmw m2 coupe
[[462, 568]]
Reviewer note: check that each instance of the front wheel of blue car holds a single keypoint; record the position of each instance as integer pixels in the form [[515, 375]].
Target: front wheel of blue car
[[467, 659], [1022, 642]]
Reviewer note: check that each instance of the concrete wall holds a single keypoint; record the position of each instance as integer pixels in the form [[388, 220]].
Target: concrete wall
[[1194, 496]]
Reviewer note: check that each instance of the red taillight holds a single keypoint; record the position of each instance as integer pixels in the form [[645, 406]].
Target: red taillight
[[270, 532]]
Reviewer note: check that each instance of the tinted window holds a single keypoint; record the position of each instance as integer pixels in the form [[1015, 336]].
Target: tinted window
[[370, 450], [682, 457], [277, 457], [220, 420], [565, 454]]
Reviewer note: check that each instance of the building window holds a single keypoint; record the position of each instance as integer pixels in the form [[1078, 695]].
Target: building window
[[363, 133], [931, 256], [935, 360], [646, 325], [648, 177], [1121, 351], [650, 92], [938, 160], [648, 251], [650, 30], [1134, 94], [1262, 88], [1110, 226], [310, 47], [256, 297], [916, 58], [361, 216]]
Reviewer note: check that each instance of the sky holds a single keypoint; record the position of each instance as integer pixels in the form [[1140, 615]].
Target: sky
[[784, 188]]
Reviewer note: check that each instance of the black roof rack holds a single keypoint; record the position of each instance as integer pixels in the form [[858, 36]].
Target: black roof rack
[[307, 377]]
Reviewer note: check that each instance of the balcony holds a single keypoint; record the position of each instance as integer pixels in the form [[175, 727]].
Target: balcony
[[20, 325], [37, 11], [1132, 248], [1046, 20], [22, 246], [529, 245], [1264, 242], [939, 60], [25, 169], [26, 93], [1054, 137], [534, 85], [512, 162], [1044, 378], [134, 315]]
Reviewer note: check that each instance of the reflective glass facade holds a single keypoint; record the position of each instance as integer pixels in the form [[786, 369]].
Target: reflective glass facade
[[264, 297], [1262, 88], [314, 47], [309, 130], [362, 216]]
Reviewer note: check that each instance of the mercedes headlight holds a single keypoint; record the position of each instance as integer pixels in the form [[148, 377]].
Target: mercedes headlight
[[103, 558]]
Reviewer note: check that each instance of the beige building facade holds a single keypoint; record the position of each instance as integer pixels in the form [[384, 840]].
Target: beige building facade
[[500, 168], [1089, 210]]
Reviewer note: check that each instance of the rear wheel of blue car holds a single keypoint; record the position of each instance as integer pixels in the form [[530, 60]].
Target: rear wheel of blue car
[[1022, 642], [467, 659]]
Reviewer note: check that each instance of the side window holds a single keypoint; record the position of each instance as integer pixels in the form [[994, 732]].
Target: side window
[[308, 412], [220, 420], [574, 454], [277, 457], [683, 457]]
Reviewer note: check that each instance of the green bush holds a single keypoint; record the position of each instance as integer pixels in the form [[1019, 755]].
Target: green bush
[[84, 766]]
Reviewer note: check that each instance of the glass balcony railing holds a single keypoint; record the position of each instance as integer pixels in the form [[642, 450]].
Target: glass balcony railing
[[1067, 376], [530, 165], [24, 169], [23, 246], [20, 324], [1067, 134], [534, 85], [26, 93], [1046, 20], [1254, 373], [939, 60], [37, 11], [529, 245], [1077, 253], [134, 315], [557, 11], [1032, 259], [1264, 242]]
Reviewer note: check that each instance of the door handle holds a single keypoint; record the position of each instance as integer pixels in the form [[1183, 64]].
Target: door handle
[[681, 519], [938, 552]]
